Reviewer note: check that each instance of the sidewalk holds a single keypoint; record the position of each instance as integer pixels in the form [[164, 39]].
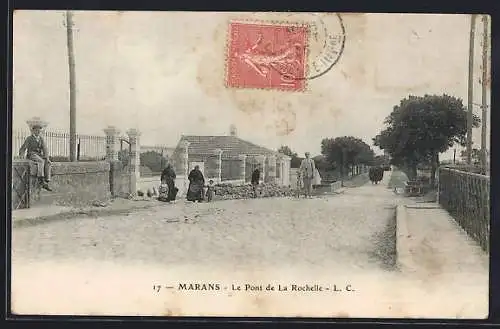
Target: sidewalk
[[434, 250], [40, 214]]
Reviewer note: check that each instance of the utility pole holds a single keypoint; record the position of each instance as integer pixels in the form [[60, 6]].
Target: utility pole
[[72, 87], [470, 90], [484, 104]]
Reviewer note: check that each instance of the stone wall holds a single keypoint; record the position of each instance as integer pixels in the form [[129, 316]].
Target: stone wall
[[119, 179], [75, 183], [224, 191]]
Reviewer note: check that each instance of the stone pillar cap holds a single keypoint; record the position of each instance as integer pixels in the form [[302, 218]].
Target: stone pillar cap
[[111, 130], [132, 132], [218, 151], [184, 144]]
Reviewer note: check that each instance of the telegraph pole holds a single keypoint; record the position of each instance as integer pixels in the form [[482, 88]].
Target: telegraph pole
[[470, 90], [72, 87], [484, 105]]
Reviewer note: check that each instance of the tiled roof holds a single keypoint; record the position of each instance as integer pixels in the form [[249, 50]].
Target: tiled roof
[[230, 145]]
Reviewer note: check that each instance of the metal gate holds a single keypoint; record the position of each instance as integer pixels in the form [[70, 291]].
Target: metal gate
[[20, 185]]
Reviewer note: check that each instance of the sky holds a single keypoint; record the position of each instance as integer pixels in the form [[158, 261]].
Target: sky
[[163, 73]]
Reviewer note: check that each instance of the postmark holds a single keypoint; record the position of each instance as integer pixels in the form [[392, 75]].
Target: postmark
[[327, 39], [282, 54]]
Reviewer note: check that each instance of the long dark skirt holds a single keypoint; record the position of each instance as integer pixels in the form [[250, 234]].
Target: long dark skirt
[[195, 191]]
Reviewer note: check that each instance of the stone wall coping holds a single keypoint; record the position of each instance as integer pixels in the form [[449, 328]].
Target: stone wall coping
[[64, 168], [112, 131]]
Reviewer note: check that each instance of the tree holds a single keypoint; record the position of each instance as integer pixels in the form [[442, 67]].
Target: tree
[[346, 151], [380, 160], [287, 151], [153, 160], [321, 164], [476, 156], [295, 161], [421, 127], [124, 156]]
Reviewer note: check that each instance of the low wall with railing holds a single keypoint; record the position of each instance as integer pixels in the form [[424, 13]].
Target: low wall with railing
[[98, 177], [88, 147], [466, 197], [72, 183]]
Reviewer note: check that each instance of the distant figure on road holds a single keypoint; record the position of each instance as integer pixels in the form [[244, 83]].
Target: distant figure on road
[[196, 184], [376, 174], [168, 180], [210, 190], [255, 180], [307, 169], [35, 149]]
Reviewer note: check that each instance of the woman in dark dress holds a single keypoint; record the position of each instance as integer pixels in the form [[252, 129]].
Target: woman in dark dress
[[196, 184], [168, 178]]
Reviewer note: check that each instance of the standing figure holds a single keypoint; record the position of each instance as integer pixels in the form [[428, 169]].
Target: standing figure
[[255, 180], [196, 184], [307, 169], [168, 190], [35, 149], [210, 190]]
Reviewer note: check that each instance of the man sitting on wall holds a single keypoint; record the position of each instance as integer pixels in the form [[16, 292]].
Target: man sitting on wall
[[35, 149]]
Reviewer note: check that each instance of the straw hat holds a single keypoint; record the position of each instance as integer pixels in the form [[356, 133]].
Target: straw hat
[[36, 122]]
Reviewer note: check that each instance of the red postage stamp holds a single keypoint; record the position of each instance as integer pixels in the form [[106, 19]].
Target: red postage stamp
[[267, 56]]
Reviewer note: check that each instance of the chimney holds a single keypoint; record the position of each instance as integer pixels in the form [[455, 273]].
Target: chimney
[[232, 130]]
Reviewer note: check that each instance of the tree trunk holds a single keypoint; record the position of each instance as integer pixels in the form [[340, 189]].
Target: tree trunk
[[412, 168]]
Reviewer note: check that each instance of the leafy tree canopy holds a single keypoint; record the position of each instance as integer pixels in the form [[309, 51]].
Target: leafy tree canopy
[[346, 150], [153, 160], [421, 127]]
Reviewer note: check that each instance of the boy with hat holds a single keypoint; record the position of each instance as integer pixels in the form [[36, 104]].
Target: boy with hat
[[35, 149]]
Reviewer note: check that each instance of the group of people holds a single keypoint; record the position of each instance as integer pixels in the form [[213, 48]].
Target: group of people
[[196, 190]]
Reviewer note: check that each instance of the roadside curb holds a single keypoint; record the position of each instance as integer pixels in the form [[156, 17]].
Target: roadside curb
[[77, 213], [404, 241]]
